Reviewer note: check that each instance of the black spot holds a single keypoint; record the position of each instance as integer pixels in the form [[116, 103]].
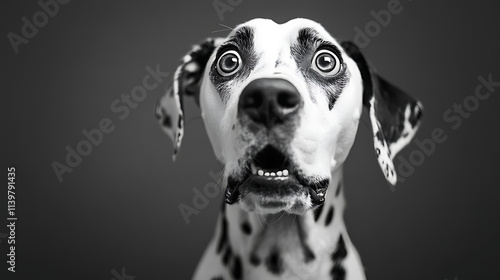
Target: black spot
[[339, 187], [277, 63], [329, 216], [227, 255], [308, 254], [338, 272], [254, 259], [416, 115], [217, 278], [246, 228], [236, 269], [223, 235], [341, 252], [167, 121], [274, 263], [233, 126], [317, 212]]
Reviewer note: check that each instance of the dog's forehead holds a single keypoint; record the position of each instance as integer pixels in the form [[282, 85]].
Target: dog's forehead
[[268, 35]]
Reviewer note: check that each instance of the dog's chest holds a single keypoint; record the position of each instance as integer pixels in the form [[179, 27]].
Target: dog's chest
[[274, 250], [273, 263]]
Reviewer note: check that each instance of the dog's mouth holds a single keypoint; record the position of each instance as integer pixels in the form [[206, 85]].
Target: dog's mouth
[[271, 164], [272, 183]]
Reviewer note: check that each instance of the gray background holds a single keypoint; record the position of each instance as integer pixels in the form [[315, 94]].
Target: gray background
[[119, 207]]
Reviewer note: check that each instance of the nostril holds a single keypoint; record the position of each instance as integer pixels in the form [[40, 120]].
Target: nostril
[[288, 100], [253, 100]]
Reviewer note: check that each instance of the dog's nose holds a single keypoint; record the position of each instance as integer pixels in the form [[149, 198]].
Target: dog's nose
[[269, 101]]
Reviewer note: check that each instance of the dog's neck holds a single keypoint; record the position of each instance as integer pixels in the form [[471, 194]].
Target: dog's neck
[[281, 239]]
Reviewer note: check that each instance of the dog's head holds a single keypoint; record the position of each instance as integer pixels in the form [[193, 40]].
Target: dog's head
[[281, 105]]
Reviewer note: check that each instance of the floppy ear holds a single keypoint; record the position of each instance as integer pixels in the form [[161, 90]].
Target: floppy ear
[[187, 81], [394, 115]]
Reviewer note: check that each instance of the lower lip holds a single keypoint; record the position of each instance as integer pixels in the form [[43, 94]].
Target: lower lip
[[278, 185], [273, 204]]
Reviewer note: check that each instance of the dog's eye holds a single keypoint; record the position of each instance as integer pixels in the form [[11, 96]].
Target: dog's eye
[[326, 63], [229, 63]]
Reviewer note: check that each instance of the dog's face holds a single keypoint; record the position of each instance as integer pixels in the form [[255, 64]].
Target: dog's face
[[281, 105], [288, 103]]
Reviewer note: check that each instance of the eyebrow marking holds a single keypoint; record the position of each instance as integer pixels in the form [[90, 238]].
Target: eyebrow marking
[[242, 38], [309, 38]]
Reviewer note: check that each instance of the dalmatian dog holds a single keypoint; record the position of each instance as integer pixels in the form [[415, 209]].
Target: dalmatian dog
[[281, 105]]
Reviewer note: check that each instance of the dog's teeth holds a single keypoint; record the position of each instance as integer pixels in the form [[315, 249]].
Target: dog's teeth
[[254, 169], [261, 172]]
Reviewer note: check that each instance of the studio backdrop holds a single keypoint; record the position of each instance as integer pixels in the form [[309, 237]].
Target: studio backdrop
[[94, 193]]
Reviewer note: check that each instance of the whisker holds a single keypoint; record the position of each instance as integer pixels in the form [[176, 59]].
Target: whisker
[[262, 222], [220, 30], [220, 178], [226, 26], [293, 221], [280, 217]]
